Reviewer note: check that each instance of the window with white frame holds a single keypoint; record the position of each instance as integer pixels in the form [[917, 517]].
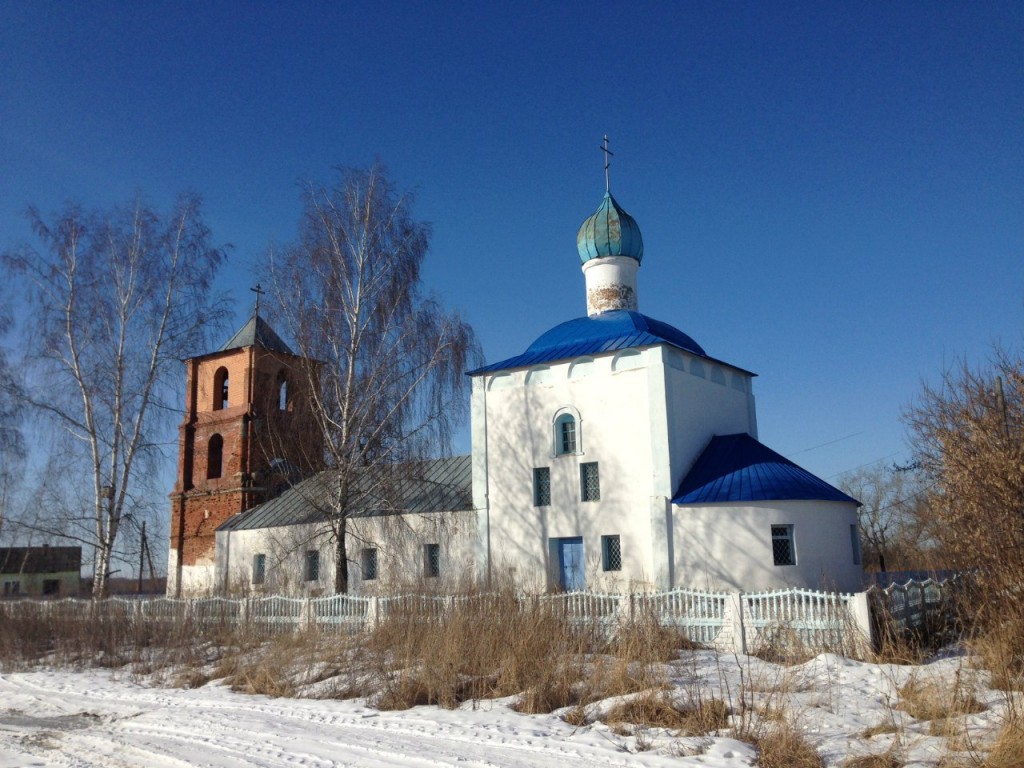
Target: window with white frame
[[611, 553], [312, 565], [541, 486], [855, 543], [431, 560], [565, 435], [259, 568], [783, 547], [590, 482], [369, 563]]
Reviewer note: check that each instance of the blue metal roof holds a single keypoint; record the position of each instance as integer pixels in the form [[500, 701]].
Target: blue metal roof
[[605, 332], [610, 231], [736, 468]]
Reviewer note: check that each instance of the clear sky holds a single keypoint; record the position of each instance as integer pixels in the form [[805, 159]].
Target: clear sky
[[830, 194]]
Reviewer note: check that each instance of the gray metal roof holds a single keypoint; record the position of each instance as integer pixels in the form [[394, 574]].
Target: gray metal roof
[[434, 485], [257, 333]]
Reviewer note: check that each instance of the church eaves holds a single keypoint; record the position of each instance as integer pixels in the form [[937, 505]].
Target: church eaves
[[606, 332]]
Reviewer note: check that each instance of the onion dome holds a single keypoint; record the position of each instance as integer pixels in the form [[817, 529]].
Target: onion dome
[[610, 231]]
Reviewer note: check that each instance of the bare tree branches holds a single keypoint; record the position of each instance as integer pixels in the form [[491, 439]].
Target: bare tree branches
[[967, 434], [391, 387], [118, 298], [895, 518]]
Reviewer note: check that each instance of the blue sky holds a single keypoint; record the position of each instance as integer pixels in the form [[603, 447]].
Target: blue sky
[[830, 194]]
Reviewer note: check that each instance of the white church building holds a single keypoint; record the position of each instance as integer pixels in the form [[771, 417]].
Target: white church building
[[613, 454]]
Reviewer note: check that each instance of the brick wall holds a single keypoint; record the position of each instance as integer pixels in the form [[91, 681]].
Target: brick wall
[[254, 430]]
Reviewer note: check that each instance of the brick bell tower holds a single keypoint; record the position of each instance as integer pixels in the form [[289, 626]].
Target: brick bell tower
[[246, 436]]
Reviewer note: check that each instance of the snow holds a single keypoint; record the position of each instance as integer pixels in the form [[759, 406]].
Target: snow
[[97, 717]]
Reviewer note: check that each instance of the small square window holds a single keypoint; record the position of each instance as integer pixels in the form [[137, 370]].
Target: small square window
[[259, 568], [855, 543], [783, 550], [431, 560], [369, 564], [541, 487], [611, 553], [590, 482], [312, 565]]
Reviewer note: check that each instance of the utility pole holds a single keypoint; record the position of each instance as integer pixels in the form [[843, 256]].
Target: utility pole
[[142, 554]]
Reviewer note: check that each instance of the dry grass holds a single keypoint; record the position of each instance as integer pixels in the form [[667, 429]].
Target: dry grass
[[884, 760], [937, 701], [657, 709], [784, 746], [1008, 750], [886, 726]]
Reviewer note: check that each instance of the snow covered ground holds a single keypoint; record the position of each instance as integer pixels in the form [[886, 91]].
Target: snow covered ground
[[108, 718]]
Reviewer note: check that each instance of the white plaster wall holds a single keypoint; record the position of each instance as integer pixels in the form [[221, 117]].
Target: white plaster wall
[[197, 580], [399, 540], [703, 399], [614, 430], [723, 547]]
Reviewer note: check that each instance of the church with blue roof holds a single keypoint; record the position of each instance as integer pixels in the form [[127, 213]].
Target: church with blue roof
[[617, 453]]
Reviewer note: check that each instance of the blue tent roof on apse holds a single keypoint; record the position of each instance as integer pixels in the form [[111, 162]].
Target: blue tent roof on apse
[[737, 468]]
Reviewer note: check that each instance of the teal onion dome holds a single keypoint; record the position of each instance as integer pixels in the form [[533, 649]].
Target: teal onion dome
[[609, 232]]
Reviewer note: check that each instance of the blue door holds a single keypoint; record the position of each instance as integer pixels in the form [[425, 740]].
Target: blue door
[[570, 564]]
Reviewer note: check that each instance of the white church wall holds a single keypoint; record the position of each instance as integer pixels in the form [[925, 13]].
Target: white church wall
[[704, 399], [400, 542], [196, 580], [514, 417], [723, 548]]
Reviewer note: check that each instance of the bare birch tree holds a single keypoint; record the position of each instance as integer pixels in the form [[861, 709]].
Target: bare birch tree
[[391, 386], [118, 298], [12, 447]]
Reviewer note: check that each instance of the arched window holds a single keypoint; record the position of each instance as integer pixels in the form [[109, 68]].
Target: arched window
[[282, 391], [566, 435], [214, 457], [220, 389]]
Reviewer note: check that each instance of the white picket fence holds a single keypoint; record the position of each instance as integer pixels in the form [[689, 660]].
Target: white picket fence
[[731, 621]]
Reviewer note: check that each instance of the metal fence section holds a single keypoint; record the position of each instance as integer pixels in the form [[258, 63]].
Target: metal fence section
[[700, 616], [913, 605], [826, 621]]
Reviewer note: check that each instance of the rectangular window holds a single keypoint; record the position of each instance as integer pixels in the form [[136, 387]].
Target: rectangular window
[[312, 565], [783, 549], [431, 560], [369, 564], [259, 568], [541, 486], [855, 543], [590, 482], [568, 436], [51, 587], [611, 553]]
